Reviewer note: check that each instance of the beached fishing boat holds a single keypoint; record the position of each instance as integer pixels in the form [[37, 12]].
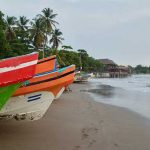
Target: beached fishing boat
[[13, 71], [53, 81], [31, 101], [82, 77], [27, 107]]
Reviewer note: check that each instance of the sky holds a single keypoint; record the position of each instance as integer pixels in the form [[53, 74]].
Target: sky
[[114, 29]]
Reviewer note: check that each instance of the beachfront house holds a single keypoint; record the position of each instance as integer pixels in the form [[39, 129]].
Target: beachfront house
[[113, 70]]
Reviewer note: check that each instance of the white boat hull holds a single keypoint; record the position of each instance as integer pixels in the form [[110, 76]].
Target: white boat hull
[[27, 107], [82, 78]]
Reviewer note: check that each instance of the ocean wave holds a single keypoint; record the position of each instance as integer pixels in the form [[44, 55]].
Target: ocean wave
[[103, 90]]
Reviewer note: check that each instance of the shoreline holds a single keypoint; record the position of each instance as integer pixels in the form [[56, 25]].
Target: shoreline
[[99, 91], [76, 122]]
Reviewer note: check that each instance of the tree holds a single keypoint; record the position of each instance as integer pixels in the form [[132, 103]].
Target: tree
[[4, 45], [69, 57], [47, 18], [10, 33], [20, 45], [141, 69], [82, 58], [56, 39], [37, 33], [22, 29]]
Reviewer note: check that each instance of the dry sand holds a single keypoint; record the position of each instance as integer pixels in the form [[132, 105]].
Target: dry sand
[[76, 122]]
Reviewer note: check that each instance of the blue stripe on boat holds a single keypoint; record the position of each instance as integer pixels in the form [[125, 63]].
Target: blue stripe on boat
[[29, 100], [34, 96], [46, 73]]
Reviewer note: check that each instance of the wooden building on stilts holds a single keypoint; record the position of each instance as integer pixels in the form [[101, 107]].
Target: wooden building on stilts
[[112, 70]]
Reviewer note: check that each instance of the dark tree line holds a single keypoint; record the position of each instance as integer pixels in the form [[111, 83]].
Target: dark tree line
[[80, 59], [141, 69]]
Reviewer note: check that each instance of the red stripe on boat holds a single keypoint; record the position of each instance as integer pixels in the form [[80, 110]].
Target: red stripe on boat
[[17, 74], [15, 61]]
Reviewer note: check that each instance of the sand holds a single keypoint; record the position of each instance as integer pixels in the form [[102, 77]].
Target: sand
[[76, 122]]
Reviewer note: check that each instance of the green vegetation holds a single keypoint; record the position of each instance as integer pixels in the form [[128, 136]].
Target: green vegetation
[[142, 69], [88, 63], [20, 36]]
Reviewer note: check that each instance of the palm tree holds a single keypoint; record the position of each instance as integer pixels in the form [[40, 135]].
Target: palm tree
[[22, 29], [47, 18], [82, 53], [22, 23], [37, 33], [10, 33], [56, 39]]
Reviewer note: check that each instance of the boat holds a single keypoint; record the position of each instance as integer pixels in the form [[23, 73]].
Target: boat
[[52, 81], [82, 77], [27, 107], [14, 71], [31, 100]]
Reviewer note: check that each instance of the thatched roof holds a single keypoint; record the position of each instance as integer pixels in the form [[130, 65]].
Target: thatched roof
[[107, 62], [123, 67]]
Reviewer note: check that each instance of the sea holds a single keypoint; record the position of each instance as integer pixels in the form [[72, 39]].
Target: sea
[[132, 92]]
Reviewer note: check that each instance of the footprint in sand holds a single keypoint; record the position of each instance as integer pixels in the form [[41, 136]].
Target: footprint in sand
[[77, 147], [84, 134], [116, 145], [88, 135], [91, 143]]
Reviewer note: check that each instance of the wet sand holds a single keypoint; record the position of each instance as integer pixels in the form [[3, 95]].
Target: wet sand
[[76, 122]]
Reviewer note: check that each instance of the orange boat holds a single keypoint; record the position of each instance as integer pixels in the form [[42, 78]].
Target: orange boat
[[46, 65], [31, 101], [53, 82]]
